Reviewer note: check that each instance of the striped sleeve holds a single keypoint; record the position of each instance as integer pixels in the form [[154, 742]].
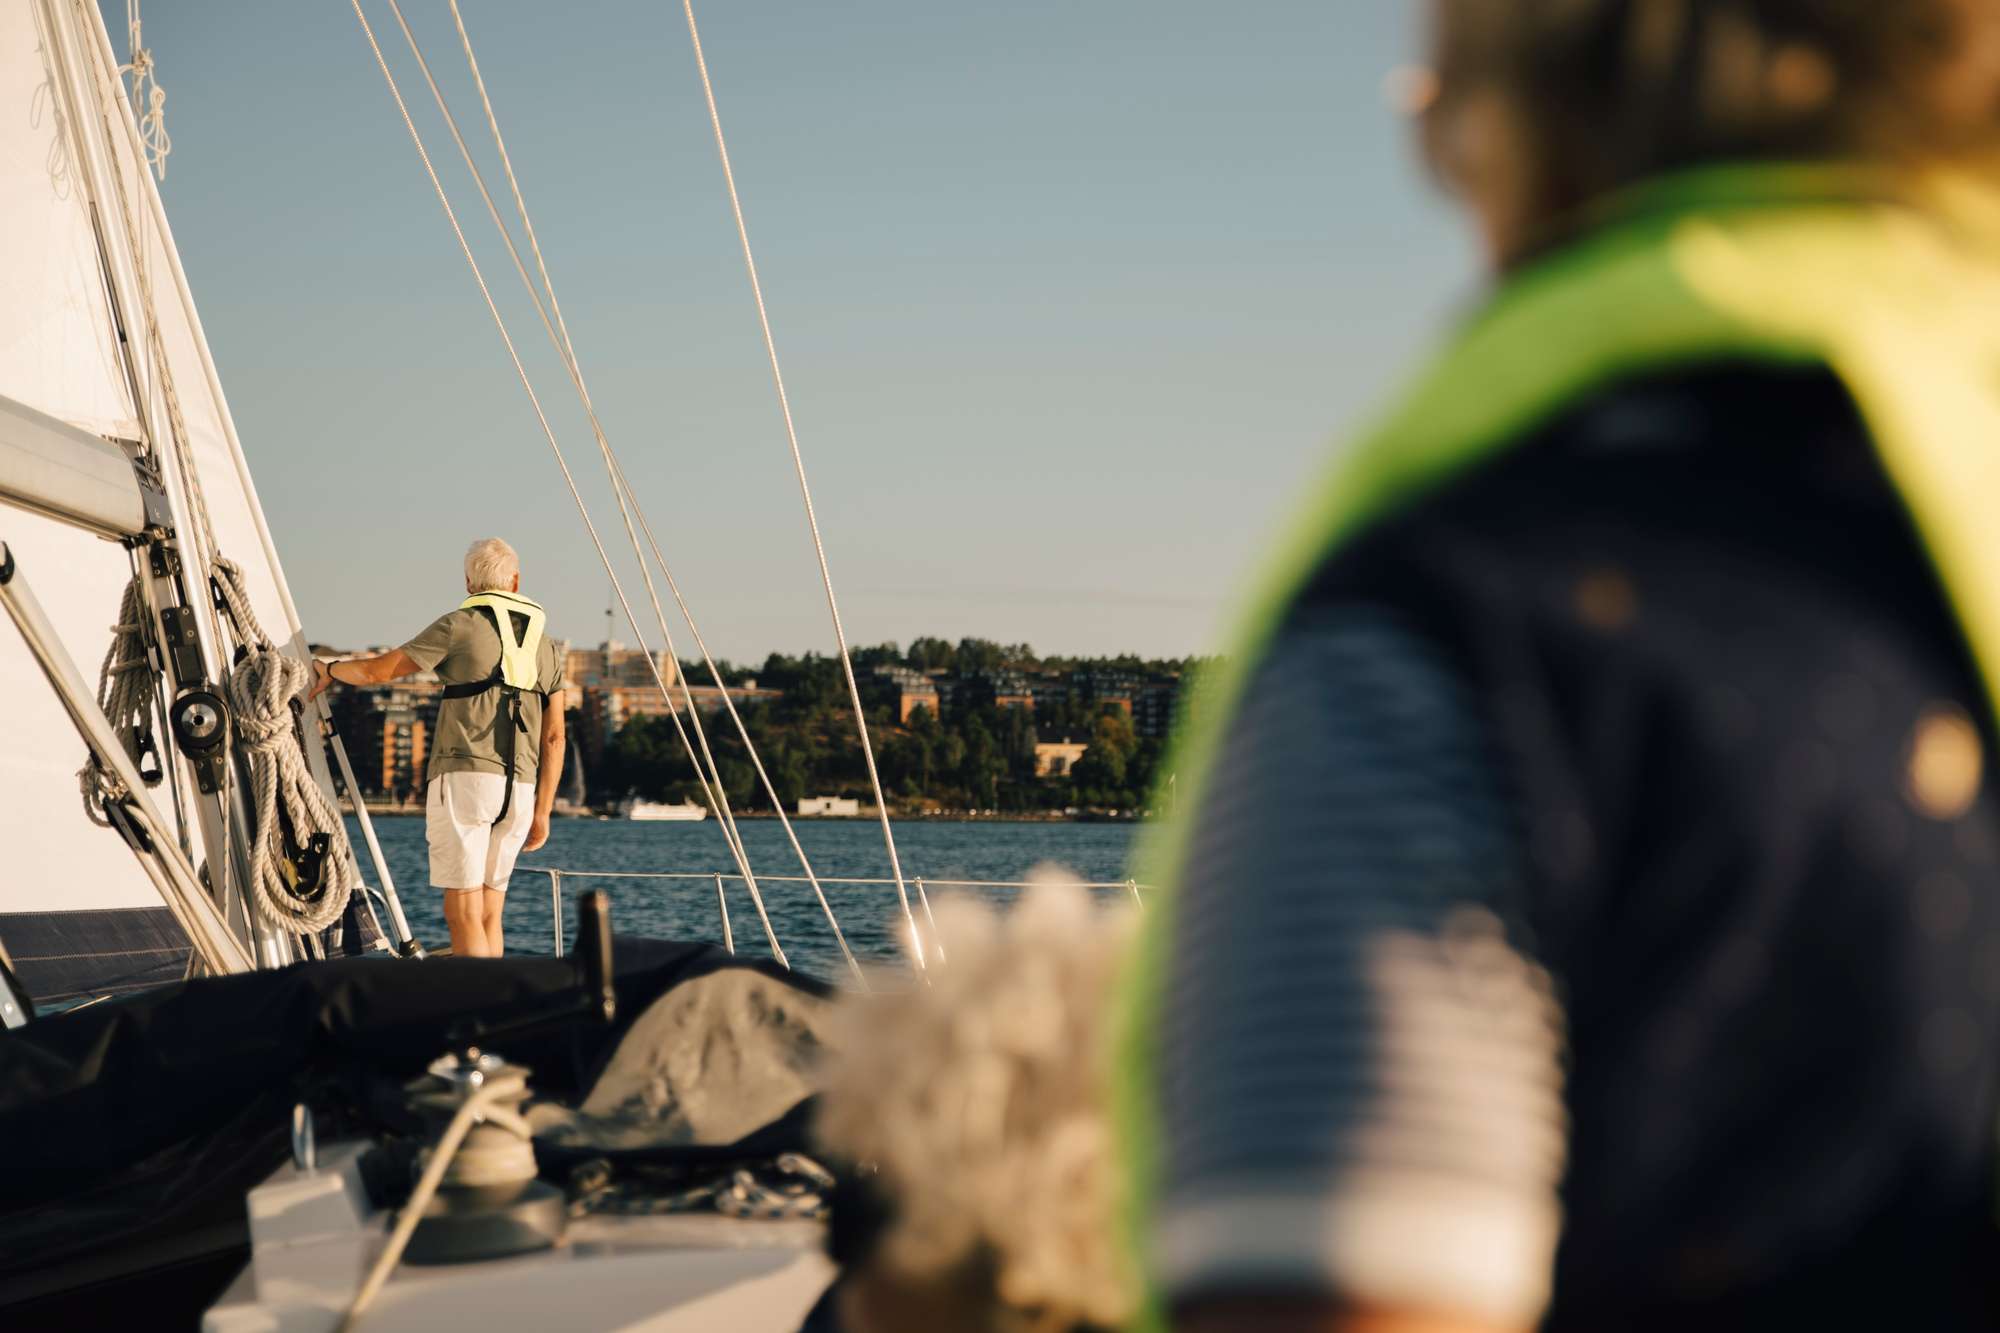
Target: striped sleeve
[[1360, 1077]]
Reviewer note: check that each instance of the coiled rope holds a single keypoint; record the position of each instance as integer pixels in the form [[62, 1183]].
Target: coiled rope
[[261, 689], [125, 693]]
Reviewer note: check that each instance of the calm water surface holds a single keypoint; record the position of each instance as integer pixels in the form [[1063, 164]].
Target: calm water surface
[[687, 909]]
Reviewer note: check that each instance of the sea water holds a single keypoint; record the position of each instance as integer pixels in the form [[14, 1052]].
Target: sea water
[[687, 908]]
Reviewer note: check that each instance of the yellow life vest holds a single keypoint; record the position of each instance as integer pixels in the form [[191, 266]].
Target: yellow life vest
[[519, 622], [1892, 283], [520, 641]]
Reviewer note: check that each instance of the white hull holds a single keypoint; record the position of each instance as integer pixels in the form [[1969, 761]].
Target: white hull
[[686, 813]]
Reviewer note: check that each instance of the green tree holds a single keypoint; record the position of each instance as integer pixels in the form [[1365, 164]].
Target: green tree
[[1113, 728], [905, 763], [928, 654], [1100, 771], [978, 655], [879, 655], [789, 771]]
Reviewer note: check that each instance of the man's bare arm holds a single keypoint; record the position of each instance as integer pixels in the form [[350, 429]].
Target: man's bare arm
[[377, 670], [549, 776]]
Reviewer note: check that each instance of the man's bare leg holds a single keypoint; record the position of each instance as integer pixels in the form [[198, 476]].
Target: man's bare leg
[[492, 902], [464, 916]]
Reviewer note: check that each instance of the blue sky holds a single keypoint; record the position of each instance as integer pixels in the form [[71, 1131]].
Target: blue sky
[[1073, 296]]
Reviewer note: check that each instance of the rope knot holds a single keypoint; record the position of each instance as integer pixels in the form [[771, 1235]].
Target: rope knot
[[152, 102], [261, 690]]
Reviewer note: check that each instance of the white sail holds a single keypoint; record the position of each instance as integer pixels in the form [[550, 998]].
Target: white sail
[[83, 240], [58, 352], [238, 518], [59, 355]]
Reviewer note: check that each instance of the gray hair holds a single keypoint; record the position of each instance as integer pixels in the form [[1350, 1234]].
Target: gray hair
[[490, 566], [1610, 92]]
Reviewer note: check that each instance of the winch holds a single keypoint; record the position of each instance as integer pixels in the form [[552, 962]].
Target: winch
[[488, 1203], [476, 1190]]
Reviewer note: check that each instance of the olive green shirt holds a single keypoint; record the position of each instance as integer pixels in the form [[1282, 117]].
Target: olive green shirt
[[462, 647]]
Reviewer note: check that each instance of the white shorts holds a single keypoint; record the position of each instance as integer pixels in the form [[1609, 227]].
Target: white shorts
[[467, 851]]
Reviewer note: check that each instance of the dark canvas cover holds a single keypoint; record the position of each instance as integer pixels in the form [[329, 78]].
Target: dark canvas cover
[[63, 957], [130, 1130]]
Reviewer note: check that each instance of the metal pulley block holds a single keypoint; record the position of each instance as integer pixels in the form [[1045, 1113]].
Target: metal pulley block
[[199, 721]]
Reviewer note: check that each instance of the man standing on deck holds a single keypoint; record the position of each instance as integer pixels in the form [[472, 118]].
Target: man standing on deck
[[496, 755]]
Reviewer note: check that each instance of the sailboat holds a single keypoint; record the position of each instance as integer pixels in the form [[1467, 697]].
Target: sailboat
[[173, 847]]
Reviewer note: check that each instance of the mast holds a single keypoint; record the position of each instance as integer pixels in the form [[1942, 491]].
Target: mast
[[119, 465], [171, 574]]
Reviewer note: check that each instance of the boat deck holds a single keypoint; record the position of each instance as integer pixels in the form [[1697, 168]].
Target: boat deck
[[675, 1273]]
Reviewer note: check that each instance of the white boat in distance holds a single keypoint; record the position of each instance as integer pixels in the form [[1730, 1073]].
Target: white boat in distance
[[688, 812]]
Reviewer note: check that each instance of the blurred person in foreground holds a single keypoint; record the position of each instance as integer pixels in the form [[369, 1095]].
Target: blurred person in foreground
[[1593, 919], [986, 1199]]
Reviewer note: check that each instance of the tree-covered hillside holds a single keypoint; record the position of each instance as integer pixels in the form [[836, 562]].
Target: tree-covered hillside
[[971, 747]]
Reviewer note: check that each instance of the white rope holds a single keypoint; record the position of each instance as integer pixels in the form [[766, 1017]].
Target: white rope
[[125, 693], [628, 500], [562, 463], [805, 489], [261, 690], [483, 1102], [153, 123]]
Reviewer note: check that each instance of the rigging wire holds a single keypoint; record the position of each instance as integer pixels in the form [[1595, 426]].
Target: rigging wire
[[805, 489], [559, 335], [562, 463], [718, 795]]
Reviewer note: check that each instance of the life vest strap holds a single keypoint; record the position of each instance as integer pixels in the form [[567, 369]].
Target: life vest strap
[[518, 658]]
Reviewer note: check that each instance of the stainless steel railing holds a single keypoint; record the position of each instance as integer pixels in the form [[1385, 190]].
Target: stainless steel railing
[[557, 874]]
